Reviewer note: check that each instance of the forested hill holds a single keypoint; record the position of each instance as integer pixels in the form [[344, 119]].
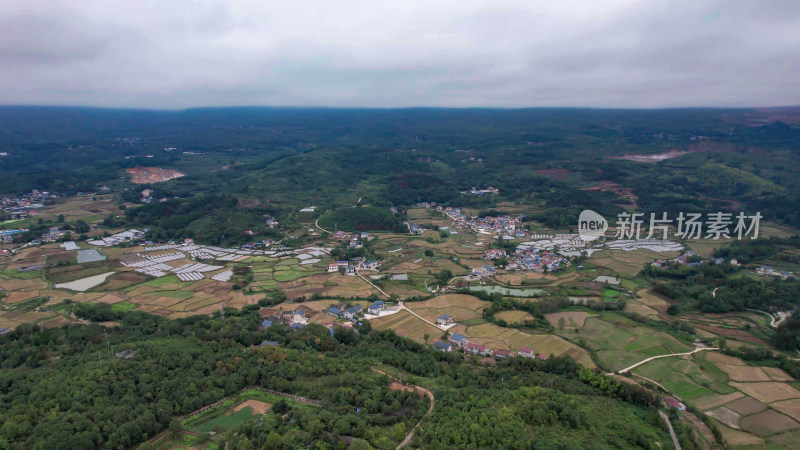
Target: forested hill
[[40, 133], [65, 388]]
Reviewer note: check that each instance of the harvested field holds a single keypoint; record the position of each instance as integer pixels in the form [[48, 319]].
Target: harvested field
[[747, 405], [572, 318], [110, 298], [789, 407], [744, 373], [643, 310], [721, 358], [257, 406], [713, 401], [647, 297], [19, 284], [768, 392], [405, 324], [736, 438], [16, 297], [726, 416], [458, 300], [514, 316], [777, 374], [768, 422]]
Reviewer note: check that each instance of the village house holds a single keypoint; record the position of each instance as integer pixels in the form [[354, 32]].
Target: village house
[[353, 311], [495, 253], [299, 316], [266, 324], [444, 320], [476, 349], [443, 347], [501, 353], [459, 340], [373, 265], [525, 352], [333, 267], [376, 307], [350, 271], [333, 311]]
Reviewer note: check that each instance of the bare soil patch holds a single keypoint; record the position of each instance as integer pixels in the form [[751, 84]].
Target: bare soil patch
[[258, 406], [144, 175]]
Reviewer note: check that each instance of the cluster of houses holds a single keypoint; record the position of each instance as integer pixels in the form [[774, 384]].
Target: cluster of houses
[[475, 191], [297, 319], [349, 267], [26, 204], [356, 239], [528, 259], [458, 341], [343, 311], [769, 271], [10, 235]]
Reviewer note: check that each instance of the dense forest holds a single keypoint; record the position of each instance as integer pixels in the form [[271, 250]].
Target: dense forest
[[560, 161], [65, 388]]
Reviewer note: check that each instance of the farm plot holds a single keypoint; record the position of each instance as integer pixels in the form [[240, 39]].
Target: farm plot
[[497, 337], [405, 324], [460, 307], [768, 392], [514, 316], [571, 318], [768, 422]]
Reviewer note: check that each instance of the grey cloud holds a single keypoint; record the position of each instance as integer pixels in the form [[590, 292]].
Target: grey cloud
[[391, 54]]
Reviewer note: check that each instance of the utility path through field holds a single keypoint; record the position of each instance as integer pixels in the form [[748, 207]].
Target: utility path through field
[[664, 356]]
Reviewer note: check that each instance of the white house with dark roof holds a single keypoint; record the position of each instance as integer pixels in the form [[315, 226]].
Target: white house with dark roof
[[459, 340], [443, 347], [352, 312], [444, 320]]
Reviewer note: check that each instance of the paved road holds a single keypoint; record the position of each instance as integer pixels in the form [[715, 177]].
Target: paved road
[[430, 408], [665, 356], [671, 431], [316, 224]]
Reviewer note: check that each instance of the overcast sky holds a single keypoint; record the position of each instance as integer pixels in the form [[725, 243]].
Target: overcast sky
[[372, 53]]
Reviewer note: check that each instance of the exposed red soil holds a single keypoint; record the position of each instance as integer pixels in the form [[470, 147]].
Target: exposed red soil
[[143, 175]]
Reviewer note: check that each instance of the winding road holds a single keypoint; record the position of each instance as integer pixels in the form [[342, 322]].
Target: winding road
[[410, 434]]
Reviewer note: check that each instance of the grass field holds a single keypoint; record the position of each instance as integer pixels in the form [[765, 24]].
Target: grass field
[[619, 342]]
